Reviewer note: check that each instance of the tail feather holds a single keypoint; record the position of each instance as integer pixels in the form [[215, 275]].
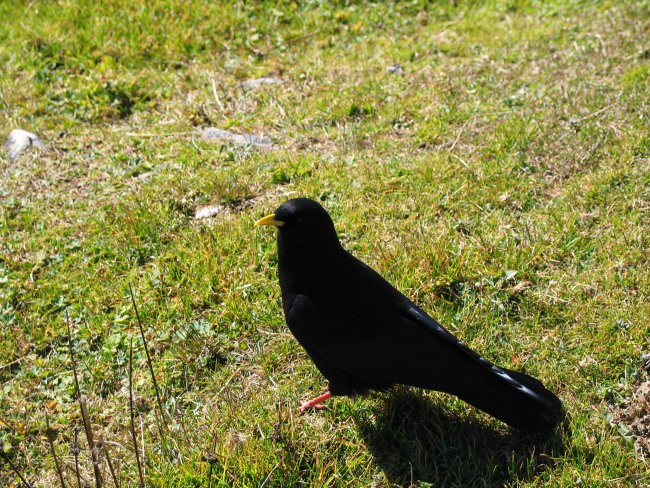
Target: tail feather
[[517, 399]]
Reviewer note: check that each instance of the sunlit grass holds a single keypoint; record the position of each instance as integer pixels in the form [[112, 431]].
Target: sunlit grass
[[502, 181]]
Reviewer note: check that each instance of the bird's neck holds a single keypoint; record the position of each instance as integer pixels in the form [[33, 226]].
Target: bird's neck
[[302, 264]]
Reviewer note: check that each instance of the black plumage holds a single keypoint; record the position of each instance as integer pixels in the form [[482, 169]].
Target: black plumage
[[364, 334]]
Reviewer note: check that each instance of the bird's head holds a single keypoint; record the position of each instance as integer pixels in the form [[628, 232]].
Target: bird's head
[[302, 221]]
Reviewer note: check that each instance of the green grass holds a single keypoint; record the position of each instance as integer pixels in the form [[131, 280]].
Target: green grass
[[502, 182]]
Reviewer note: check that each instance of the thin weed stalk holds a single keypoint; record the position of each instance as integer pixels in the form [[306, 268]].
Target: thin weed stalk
[[111, 468], [163, 413], [84, 412], [15, 470], [132, 415], [74, 450], [151, 371], [51, 434]]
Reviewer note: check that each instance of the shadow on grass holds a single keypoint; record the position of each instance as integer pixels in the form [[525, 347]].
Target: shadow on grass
[[414, 440]]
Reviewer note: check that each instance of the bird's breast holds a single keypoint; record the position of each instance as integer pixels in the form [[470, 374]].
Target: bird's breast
[[341, 297]]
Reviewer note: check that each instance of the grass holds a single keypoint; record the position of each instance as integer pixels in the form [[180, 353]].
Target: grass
[[502, 181]]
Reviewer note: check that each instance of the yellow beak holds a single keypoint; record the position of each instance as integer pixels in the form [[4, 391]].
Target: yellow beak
[[269, 220]]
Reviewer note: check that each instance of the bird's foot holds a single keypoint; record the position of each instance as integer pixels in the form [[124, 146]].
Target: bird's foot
[[304, 406], [316, 403]]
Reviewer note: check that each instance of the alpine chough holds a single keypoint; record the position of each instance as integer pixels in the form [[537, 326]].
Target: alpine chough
[[363, 334]]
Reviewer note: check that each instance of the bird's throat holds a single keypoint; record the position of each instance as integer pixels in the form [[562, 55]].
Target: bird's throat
[[301, 266]]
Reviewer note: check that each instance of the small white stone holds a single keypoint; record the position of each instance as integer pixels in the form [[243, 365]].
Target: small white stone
[[20, 140]]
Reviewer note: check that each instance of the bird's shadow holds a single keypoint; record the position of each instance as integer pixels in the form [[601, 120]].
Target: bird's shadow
[[414, 439]]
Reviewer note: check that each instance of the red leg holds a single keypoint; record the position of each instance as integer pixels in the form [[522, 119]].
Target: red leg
[[315, 403]]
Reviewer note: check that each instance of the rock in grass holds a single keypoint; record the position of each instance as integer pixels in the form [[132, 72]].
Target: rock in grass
[[20, 140], [212, 133], [209, 211], [645, 361], [256, 83], [395, 69]]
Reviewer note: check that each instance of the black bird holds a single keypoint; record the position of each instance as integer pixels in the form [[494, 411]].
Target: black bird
[[363, 334]]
